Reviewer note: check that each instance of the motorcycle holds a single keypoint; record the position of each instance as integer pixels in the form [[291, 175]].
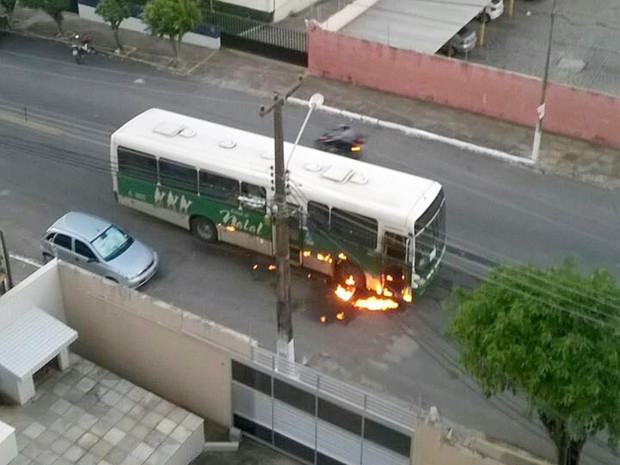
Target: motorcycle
[[81, 47], [343, 140]]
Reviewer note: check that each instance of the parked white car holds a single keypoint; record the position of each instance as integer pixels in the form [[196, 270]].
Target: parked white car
[[492, 11]]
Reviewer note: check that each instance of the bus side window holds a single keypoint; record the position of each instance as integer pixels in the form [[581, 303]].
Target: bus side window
[[354, 228], [257, 193], [318, 217], [177, 176], [218, 187], [137, 165]]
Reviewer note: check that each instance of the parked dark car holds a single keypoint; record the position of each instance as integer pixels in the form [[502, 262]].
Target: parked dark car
[[463, 41], [343, 140]]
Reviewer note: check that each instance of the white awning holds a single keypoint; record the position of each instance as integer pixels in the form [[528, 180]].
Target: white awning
[[420, 25], [29, 342]]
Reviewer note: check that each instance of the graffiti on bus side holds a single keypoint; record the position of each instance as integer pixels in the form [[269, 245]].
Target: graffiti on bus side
[[169, 200], [230, 217]]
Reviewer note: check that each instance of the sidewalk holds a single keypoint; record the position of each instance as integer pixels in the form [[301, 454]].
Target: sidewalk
[[232, 69]]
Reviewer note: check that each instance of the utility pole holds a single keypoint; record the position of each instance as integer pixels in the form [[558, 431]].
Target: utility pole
[[285, 345], [540, 111], [6, 282]]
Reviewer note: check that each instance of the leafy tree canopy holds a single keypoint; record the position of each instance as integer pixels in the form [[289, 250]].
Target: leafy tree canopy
[[113, 11], [172, 18], [54, 8], [554, 335], [7, 6]]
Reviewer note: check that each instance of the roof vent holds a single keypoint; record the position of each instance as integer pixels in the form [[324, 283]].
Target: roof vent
[[313, 167], [227, 144], [187, 132], [169, 129], [338, 174], [359, 178]]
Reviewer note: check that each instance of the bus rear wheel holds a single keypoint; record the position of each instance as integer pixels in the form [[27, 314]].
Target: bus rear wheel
[[204, 229], [345, 270]]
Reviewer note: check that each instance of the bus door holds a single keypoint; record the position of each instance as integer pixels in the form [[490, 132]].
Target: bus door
[[295, 233], [396, 260]]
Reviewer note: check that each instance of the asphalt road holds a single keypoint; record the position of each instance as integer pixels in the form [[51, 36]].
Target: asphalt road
[[56, 160]]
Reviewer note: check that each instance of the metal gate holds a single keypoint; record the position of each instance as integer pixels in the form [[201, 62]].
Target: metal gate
[[316, 418], [260, 37]]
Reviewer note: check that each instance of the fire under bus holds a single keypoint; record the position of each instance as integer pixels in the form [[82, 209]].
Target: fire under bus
[[369, 228]]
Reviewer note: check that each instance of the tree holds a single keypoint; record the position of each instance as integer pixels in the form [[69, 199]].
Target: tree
[[172, 18], [54, 8], [553, 335], [114, 12], [7, 7]]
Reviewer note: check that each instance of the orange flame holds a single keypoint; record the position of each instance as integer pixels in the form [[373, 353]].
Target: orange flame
[[230, 228], [407, 297], [350, 281], [307, 253], [344, 294], [342, 256], [271, 267], [323, 319], [375, 304], [340, 316]]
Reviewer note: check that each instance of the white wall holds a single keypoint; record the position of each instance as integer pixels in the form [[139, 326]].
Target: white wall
[[281, 8], [8, 443], [349, 13], [164, 349], [41, 289], [137, 25]]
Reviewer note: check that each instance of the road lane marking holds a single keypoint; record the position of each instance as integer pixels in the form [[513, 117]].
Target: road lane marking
[[30, 124], [28, 261]]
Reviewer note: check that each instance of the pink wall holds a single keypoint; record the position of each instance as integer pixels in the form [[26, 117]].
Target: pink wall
[[492, 92]]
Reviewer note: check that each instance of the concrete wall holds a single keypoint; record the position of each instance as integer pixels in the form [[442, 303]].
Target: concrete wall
[[431, 447], [137, 25], [280, 8], [492, 92], [8, 444], [349, 13], [41, 289], [285, 7], [170, 352]]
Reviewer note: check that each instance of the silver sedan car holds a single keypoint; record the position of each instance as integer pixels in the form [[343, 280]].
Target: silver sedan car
[[100, 247]]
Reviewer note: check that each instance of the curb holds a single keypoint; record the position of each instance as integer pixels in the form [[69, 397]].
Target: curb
[[419, 133], [110, 52]]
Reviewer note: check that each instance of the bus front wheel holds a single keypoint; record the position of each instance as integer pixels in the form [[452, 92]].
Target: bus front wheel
[[204, 229]]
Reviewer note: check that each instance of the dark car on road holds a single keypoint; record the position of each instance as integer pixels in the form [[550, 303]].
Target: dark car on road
[[344, 140]]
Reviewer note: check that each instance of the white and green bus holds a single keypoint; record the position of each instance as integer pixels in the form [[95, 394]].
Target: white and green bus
[[348, 219]]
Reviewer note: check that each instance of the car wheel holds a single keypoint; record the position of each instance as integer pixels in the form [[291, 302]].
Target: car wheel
[[204, 229], [487, 18]]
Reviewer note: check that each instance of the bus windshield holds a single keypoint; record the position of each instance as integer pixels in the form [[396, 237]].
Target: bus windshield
[[111, 243], [430, 237]]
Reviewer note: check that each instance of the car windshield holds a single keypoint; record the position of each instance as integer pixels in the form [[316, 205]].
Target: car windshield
[[111, 243]]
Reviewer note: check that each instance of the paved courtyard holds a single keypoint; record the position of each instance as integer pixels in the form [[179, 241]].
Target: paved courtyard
[[87, 415]]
